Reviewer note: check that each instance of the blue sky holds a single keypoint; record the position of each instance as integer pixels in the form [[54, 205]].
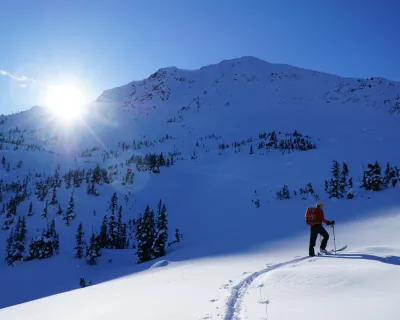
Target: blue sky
[[107, 43]]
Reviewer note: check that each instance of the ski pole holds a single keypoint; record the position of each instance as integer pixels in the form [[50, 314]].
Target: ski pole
[[334, 240]]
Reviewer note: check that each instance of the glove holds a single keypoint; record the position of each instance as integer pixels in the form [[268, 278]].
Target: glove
[[331, 223]]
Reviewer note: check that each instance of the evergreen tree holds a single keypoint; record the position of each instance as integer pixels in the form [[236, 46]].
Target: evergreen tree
[[30, 209], [161, 160], [112, 232], [124, 237], [103, 235], [18, 241], [145, 233], [9, 249], [178, 236], [33, 250], [251, 149], [54, 200], [332, 187], [93, 250], [343, 183], [113, 203], [161, 236], [372, 179], [284, 193], [79, 242], [52, 239], [22, 232], [47, 245], [44, 212], [59, 210], [350, 183], [140, 240], [70, 214], [391, 176], [119, 239]]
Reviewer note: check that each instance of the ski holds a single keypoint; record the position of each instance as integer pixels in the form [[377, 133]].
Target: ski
[[333, 251]]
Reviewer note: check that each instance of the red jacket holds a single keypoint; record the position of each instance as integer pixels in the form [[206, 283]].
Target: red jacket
[[316, 217]]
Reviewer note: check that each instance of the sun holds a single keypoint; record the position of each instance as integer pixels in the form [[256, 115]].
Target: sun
[[65, 101]]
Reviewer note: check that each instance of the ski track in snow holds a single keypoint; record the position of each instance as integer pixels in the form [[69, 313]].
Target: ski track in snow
[[234, 301]]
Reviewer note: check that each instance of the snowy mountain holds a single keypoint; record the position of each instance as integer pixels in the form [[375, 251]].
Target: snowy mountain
[[236, 152]]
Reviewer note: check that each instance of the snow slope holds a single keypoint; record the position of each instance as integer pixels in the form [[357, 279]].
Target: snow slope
[[359, 282], [210, 193]]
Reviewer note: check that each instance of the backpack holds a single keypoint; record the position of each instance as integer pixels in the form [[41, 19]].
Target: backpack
[[311, 216]]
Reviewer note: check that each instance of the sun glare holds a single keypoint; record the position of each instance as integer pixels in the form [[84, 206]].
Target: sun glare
[[65, 101]]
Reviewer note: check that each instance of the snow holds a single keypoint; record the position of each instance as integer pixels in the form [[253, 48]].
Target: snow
[[159, 264], [236, 260]]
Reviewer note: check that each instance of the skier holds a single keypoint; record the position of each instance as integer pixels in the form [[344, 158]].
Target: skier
[[314, 218]]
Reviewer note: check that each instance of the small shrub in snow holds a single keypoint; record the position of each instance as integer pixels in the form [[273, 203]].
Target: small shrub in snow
[[82, 282], [251, 149], [178, 237], [256, 202], [283, 194], [308, 192]]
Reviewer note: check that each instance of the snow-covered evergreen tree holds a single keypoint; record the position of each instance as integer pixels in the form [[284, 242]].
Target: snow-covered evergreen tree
[[80, 244], [9, 254], [161, 236], [343, 178], [45, 246], [30, 209], [93, 250], [103, 235], [332, 186], [54, 200], [140, 240], [391, 176], [145, 233], [59, 210], [372, 179], [19, 240], [70, 214], [121, 240], [44, 212], [161, 160]]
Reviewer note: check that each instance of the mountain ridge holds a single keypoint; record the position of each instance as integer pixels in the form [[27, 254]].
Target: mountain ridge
[[254, 69]]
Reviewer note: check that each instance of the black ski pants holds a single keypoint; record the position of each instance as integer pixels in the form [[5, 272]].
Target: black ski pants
[[314, 231]]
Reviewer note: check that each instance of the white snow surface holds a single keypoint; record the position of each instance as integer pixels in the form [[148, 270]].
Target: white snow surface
[[236, 261]]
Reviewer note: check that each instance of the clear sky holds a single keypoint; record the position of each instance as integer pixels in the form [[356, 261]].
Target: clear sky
[[101, 44]]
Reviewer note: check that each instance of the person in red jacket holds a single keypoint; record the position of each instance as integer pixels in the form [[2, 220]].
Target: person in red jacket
[[314, 218]]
